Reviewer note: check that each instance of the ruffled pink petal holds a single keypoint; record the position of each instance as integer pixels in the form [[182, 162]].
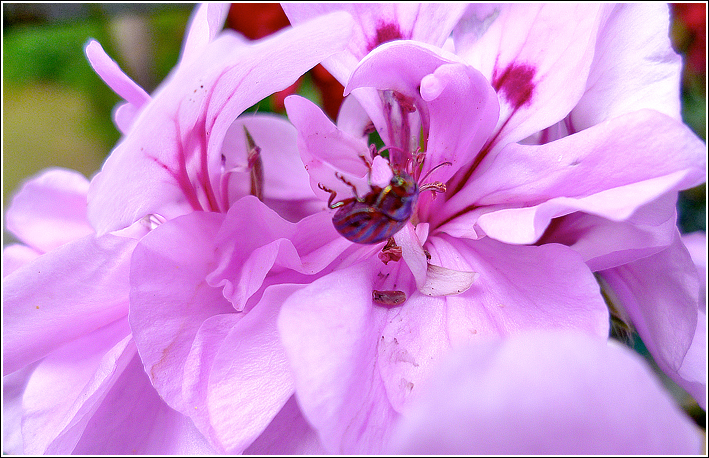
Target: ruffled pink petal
[[537, 57], [381, 173], [253, 239], [692, 375], [132, 419], [584, 172], [377, 23], [15, 256], [515, 289], [62, 295], [285, 183], [526, 225], [318, 243], [696, 244], [412, 253], [123, 115], [206, 360], [411, 343], [464, 111], [400, 67], [212, 367], [249, 375], [431, 280], [336, 313], [330, 330], [13, 387], [113, 76], [69, 385], [545, 393], [325, 149], [166, 321], [588, 162], [660, 295], [353, 119], [605, 244], [206, 21], [205, 345], [285, 178], [458, 106], [518, 288], [172, 164], [634, 40], [50, 209], [287, 434]]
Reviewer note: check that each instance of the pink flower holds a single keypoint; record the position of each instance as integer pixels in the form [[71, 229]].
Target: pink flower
[[588, 397], [530, 131], [77, 362], [200, 284]]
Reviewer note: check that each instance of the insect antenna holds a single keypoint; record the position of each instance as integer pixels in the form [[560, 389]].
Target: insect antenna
[[435, 168]]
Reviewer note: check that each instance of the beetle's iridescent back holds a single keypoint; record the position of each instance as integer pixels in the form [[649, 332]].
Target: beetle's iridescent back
[[380, 214]]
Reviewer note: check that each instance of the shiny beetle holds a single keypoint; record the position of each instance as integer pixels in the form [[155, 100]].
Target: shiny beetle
[[380, 213]]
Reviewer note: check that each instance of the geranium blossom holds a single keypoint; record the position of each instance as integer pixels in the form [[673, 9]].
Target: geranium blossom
[[535, 126], [78, 365], [199, 282]]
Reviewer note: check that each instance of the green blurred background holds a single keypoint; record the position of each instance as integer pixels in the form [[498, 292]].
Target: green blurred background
[[56, 110]]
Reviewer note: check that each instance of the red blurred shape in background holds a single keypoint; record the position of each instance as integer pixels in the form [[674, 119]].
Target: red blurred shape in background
[[690, 36], [257, 20]]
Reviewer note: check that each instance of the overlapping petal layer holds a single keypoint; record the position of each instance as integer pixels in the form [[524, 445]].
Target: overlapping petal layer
[[660, 295], [170, 163], [537, 61], [50, 210], [545, 393], [62, 295], [357, 364], [581, 172], [209, 343]]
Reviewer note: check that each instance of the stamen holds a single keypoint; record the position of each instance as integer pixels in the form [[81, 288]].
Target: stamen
[[388, 298], [255, 165], [407, 104], [397, 108], [436, 186], [390, 252], [434, 169]]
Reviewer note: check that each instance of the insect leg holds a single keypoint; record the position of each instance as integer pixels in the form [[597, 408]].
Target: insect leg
[[366, 161], [333, 194]]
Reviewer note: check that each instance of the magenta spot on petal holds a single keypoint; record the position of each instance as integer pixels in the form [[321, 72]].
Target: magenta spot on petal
[[515, 83], [385, 32]]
